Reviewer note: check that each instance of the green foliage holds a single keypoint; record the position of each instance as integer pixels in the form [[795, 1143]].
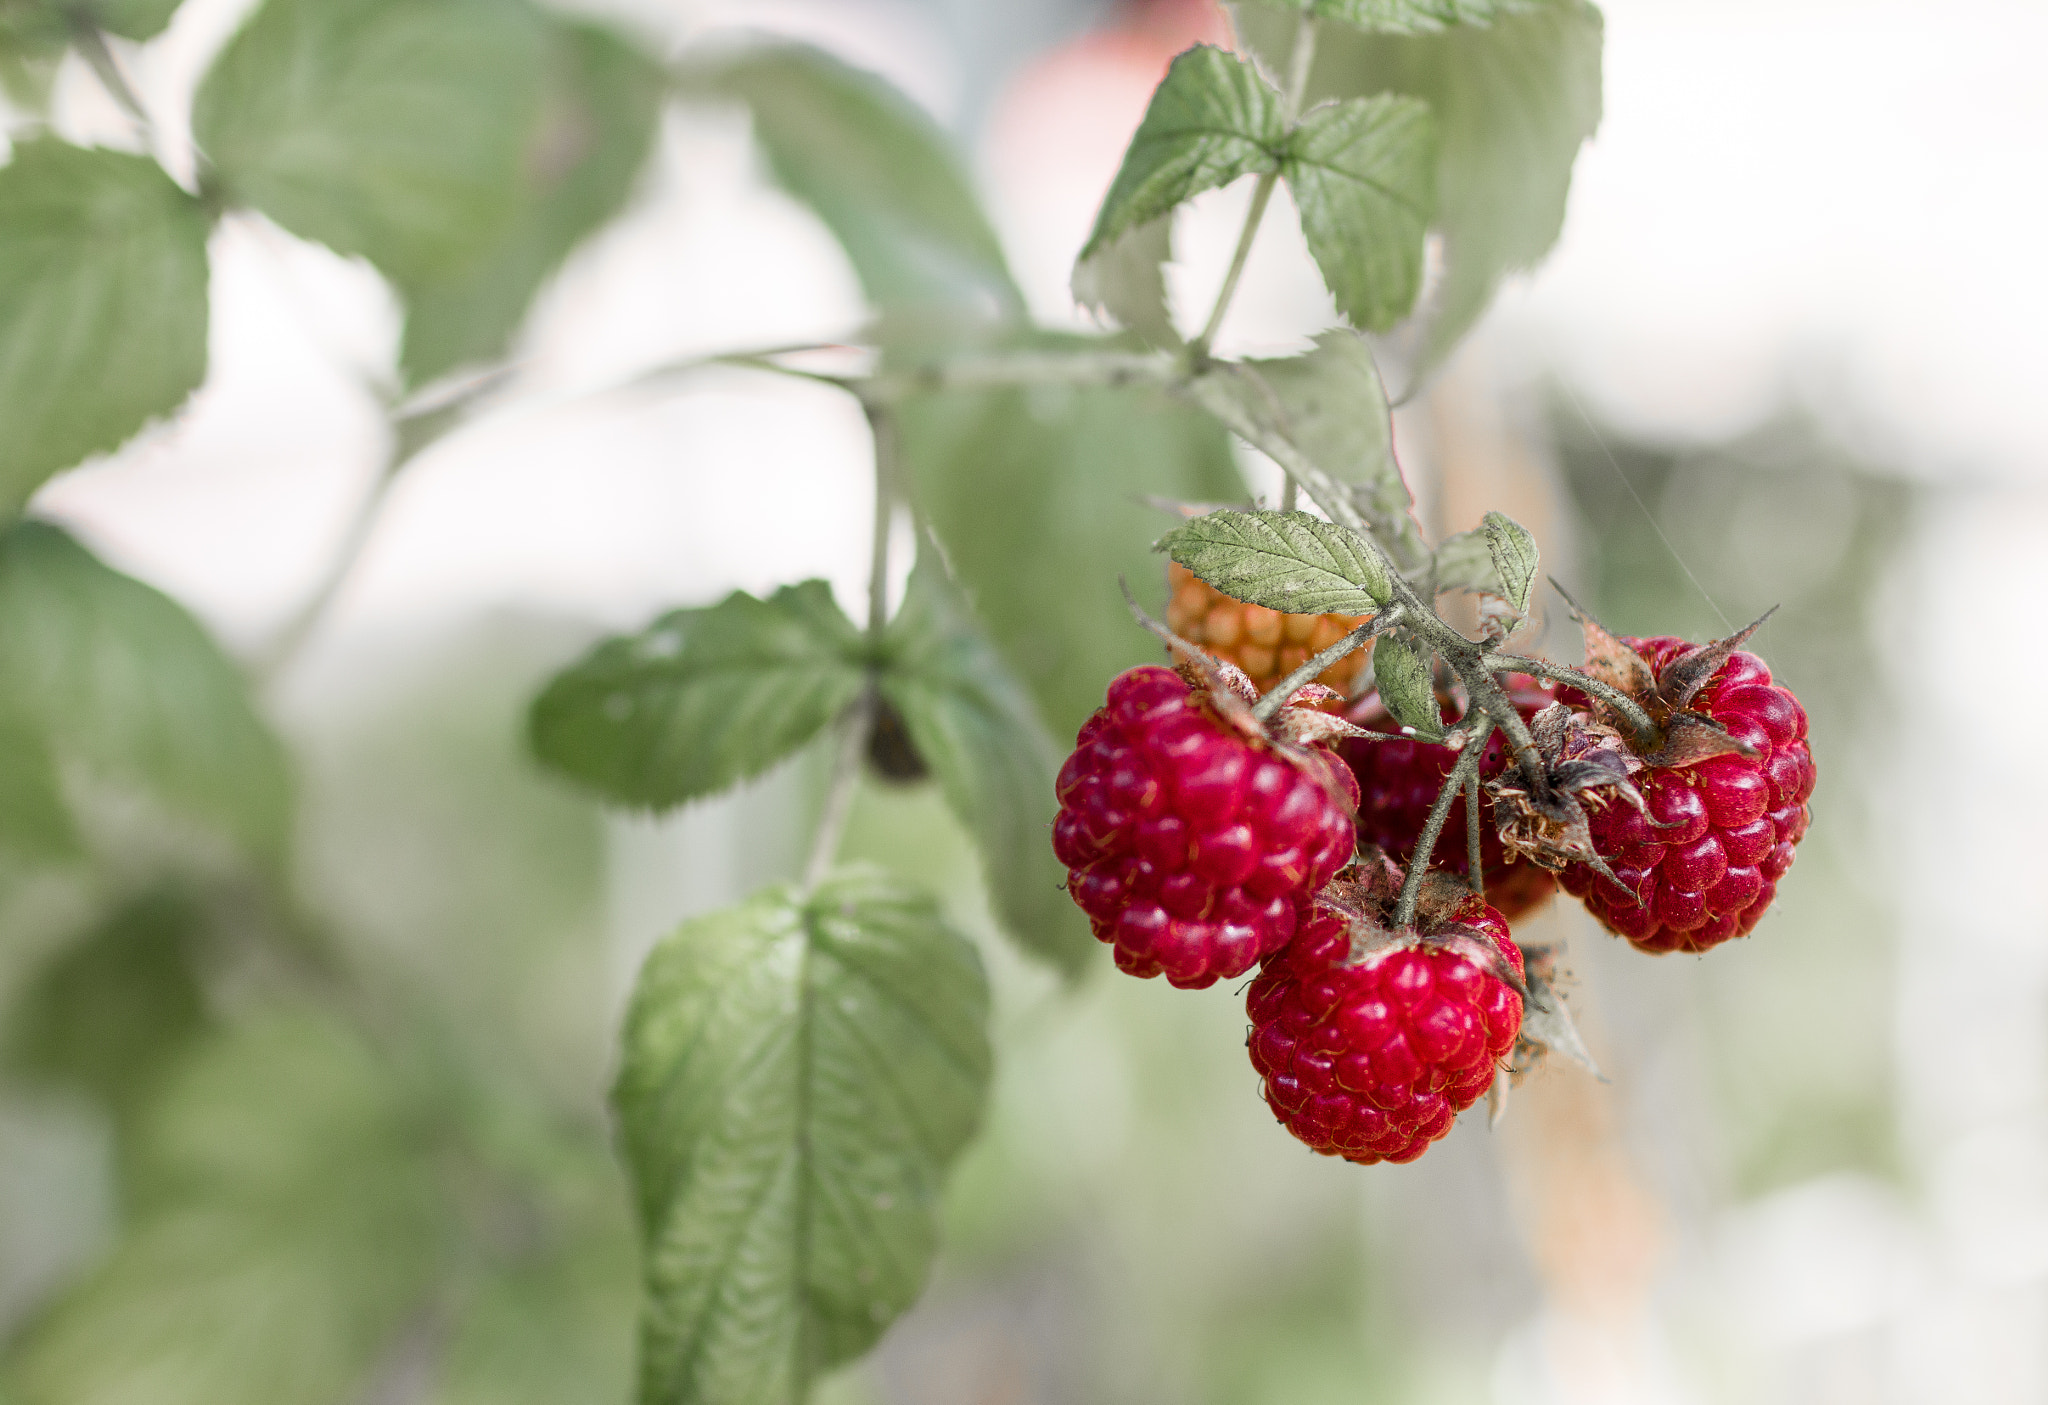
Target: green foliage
[[1464, 561], [798, 1073], [122, 685], [1514, 555], [702, 698], [1402, 673], [976, 727], [1403, 16], [394, 129], [1286, 561], [1125, 280], [34, 823], [1038, 494], [1362, 173], [131, 19], [874, 168], [600, 107], [102, 305], [1211, 120]]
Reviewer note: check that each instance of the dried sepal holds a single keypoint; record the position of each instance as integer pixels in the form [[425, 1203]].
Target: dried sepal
[[1692, 737], [1301, 725], [1547, 1024], [1584, 762], [1610, 661], [1685, 675]]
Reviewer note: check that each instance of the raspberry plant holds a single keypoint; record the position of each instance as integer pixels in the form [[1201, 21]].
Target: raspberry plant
[[797, 1073]]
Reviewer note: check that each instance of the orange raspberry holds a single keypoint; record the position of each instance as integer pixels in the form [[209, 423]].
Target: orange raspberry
[[1266, 644]]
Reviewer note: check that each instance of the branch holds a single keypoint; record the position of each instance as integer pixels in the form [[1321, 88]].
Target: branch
[[1433, 827]]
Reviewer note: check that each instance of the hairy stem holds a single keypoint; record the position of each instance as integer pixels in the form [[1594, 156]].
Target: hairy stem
[[1638, 720], [1472, 863], [1277, 696], [1433, 827]]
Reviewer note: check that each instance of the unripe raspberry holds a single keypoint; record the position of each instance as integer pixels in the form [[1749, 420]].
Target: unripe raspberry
[[1398, 782], [1371, 1060], [1733, 819], [1266, 644], [1192, 844]]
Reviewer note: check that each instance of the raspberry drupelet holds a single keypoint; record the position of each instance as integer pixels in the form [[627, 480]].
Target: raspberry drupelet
[[1193, 846]]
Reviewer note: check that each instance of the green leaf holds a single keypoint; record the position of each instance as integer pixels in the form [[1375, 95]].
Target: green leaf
[[1125, 279], [702, 698], [1402, 673], [1332, 406], [1404, 16], [1514, 558], [34, 823], [1212, 119], [601, 105], [124, 686], [291, 1216], [974, 724], [108, 1015], [798, 1074], [394, 129], [102, 305], [131, 19], [1363, 175], [1039, 496], [1464, 561], [875, 168], [1513, 103], [1286, 561]]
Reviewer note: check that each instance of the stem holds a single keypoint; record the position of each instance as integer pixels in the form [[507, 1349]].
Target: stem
[[1290, 494], [882, 424], [1111, 368], [91, 43], [1277, 696], [1638, 720], [1433, 827], [285, 646], [853, 741], [1472, 863], [1301, 59]]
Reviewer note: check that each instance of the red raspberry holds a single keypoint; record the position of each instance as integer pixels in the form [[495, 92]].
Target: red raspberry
[[1735, 819], [1192, 845], [1398, 782], [1371, 1061]]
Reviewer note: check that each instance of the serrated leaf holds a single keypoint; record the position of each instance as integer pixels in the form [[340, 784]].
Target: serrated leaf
[[103, 309], [1407, 685], [1514, 555], [1403, 16], [798, 1074], [1125, 280], [702, 698], [1331, 405], [1211, 120], [974, 725], [393, 129], [1464, 561], [1287, 561], [123, 685], [1039, 496], [1363, 173], [600, 107], [875, 168], [290, 1215]]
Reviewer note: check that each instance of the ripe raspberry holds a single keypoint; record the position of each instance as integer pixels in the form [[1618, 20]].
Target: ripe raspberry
[[1371, 1061], [1192, 845], [1398, 782], [1266, 644], [1735, 818]]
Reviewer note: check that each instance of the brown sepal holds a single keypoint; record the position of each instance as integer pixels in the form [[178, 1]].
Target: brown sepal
[[1691, 737], [1308, 726], [1688, 673], [1610, 661], [1547, 1025]]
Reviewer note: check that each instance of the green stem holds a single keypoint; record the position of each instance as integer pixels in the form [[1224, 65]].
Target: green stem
[[1472, 849], [91, 43], [839, 792], [1631, 711], [1433, 827], [1277, 696]]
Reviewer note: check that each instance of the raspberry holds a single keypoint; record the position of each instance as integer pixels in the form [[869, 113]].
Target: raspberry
[[1733, 819], [1370, 1060], [1266, 644], [1398, 782], [1193, 845]]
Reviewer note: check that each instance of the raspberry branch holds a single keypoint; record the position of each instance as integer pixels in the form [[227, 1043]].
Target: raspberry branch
[[1639, 721], [1467, 768], [1277, 696]]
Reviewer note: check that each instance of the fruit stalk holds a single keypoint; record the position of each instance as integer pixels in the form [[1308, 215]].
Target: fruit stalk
[[1638, 720], [1312, 669], [1466, 768]]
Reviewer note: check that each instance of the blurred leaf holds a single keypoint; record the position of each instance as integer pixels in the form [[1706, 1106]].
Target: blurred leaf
[[107, 1016], [399, 130], [1285, 561], [1039, 495], [601, 105], [702, 698], [1512, 102], [798, 1074], [1514, 557], [1331, 405], [1363, 176], [102, 305], [1211, 120], [131, 19], [1402, 673], [126, 686], [974, 724], [1403, 16], [1464, 561], [1125, 279], [875, 168], [291, 1220], [33, 820]]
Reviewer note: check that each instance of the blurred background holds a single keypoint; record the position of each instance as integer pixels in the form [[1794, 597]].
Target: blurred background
[[1786, 352]]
